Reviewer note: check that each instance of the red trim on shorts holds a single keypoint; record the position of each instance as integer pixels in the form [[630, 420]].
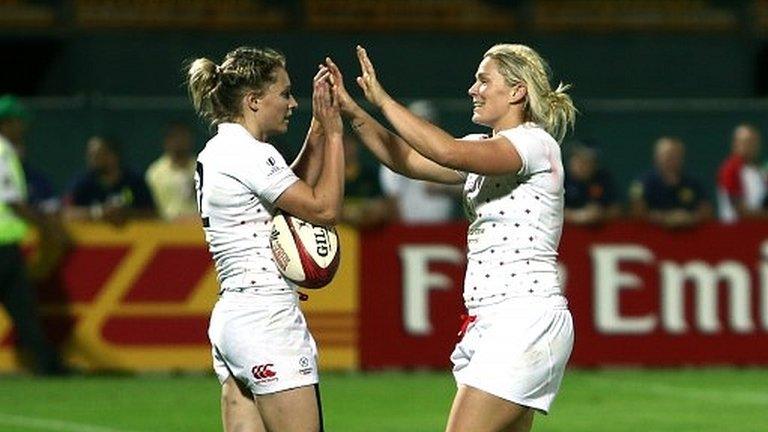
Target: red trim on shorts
[[466, 320]]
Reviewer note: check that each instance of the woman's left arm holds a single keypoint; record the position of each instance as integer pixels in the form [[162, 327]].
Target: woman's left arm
[[309, 162], [493, 156]]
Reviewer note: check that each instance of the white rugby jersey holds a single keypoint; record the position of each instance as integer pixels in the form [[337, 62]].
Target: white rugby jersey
[[237, 180], [515, 223]]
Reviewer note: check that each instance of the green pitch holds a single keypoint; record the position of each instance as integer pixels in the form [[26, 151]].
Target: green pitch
[[688, 400]]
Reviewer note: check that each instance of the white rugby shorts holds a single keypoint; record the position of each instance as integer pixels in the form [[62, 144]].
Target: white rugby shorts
[[264, 343], [516, 350]]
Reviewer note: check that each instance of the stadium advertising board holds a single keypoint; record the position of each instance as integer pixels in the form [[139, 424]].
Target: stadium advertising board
[[639, 295], [139, 298]]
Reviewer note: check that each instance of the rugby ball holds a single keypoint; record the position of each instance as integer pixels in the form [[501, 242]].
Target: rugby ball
[[305, 254]]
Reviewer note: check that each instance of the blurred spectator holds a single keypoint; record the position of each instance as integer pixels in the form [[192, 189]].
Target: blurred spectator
[[420, 202], [171, 178], [13, 126], [108, 191], [741, 188], [16, 294], [590, 197], [365, 206], [53, 241], [666, 195]]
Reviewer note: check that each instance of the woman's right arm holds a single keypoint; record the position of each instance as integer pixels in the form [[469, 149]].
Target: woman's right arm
[[388, 147], [321, 204]]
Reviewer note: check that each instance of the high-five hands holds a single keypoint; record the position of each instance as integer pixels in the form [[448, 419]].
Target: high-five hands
[[368, 82], [325, 102], [373, 91], [346, 102]]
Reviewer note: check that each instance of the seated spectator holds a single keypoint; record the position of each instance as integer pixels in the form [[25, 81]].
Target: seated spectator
[[171, 178], [590, 198], [666, 195], [741, 188], [108, 191], [418, 201], [365, 207]]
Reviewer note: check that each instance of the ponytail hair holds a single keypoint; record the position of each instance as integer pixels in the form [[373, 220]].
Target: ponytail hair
[[553, 110], [561, 114], [202, 81], [216, 90]]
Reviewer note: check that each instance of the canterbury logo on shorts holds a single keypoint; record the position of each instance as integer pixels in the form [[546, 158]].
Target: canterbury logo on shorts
[[261, 372]]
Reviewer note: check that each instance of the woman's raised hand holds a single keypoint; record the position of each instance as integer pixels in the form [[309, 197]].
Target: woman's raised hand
[[325, 102], [346, 103], [373, 91]]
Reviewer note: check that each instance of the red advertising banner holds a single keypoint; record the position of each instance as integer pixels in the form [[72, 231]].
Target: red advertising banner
[[639, 295], [410, 295], [138, 298]]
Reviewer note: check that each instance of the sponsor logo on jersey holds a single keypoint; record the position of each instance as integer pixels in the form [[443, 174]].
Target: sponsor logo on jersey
[[274, 167]]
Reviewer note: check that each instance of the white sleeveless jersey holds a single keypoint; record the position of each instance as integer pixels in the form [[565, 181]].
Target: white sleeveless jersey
[[238, 179], [515, 223]]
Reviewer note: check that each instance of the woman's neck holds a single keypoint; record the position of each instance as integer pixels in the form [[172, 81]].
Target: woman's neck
[[252, 127], [513, 120]]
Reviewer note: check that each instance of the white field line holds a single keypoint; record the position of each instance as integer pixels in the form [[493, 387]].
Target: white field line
[[700, 394], [51, 424]]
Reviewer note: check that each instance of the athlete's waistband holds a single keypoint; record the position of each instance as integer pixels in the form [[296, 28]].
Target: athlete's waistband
[[555, 301], [252, 294]]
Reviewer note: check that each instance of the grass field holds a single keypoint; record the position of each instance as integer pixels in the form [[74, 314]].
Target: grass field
[[687, 400]]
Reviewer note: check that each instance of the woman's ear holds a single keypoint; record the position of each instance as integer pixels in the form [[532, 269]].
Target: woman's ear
[[517, 93], [252, 101]]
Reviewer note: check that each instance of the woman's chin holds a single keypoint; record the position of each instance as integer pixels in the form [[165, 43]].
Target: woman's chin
[[478, 120]]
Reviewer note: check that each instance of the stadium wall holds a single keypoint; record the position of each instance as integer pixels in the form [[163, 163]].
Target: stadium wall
[[411, 64]]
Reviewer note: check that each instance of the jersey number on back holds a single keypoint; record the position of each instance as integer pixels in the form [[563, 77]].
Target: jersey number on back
[[199, 171]]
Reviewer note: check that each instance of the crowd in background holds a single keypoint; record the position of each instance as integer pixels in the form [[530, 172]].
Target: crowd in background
[[667, 194]]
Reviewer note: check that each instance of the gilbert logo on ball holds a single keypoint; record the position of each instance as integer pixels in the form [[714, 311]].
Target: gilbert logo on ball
[[305, 254]]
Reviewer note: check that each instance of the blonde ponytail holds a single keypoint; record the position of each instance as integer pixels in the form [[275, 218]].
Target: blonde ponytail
[[561, 114], [203, 79]]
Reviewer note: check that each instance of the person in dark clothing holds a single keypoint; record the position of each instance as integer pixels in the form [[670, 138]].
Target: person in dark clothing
[[666, 195], [109, 190], [365, 205], [590, 198]]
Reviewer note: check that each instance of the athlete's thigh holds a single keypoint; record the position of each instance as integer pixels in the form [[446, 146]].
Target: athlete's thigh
[[239, 412], [474, 410], [523, 424], [294, 410]]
